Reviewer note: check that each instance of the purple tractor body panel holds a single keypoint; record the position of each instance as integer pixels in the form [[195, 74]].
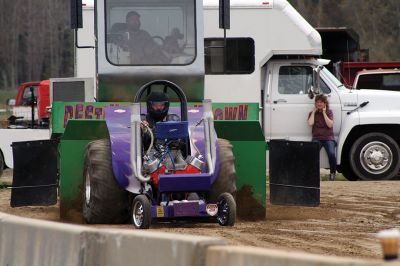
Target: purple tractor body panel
[[118, 123], [180, 209], [184, 183]]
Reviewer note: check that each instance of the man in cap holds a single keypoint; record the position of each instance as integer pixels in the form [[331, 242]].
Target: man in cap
[[143, 49]]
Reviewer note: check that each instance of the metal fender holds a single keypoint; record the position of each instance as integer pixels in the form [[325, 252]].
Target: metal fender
[[249, 149], [389, 116], [348, 124], [77, 135], [362, 117]]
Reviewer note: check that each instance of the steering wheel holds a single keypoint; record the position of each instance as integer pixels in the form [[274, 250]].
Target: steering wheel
[[159, 40]]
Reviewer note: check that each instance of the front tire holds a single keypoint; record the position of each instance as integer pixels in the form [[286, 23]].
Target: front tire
[[105, 201], [347, 172], [375, 156], [226, 210], [141, 212]]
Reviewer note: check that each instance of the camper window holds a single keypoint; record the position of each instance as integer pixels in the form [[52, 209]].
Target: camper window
[[239, 56]]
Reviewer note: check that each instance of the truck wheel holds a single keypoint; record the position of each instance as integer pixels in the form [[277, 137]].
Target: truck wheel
[[141, 212], [226, 179], [226, 210], [375, 156], [105, 201], [348, 173]]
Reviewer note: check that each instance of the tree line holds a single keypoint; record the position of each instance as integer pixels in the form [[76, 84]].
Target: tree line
[[376, 22], [36, 41]]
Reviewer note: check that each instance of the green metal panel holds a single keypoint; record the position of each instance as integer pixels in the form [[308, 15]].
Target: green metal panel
[[249, 148], [78, 134], [62, 112]]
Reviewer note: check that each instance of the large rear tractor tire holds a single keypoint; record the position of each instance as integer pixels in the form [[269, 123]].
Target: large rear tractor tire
[[105, 201], [226, 179], [141, 212], [375, 156], [226, 210]]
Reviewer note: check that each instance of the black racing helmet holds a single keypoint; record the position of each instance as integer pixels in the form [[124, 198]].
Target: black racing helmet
[[157, 105]]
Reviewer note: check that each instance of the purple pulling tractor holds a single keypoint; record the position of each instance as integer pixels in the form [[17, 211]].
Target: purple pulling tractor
[[185, 172], [101, 170]]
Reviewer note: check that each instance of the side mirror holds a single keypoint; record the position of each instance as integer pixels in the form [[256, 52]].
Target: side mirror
[[311, 93], [10, 102], [76, 14], [315, 87]]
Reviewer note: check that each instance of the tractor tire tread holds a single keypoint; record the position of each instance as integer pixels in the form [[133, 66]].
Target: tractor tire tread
[[108, 200]]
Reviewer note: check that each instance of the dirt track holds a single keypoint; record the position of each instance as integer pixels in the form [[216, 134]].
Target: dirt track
[[344, 224]]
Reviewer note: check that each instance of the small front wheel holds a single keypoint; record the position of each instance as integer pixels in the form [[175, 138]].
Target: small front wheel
[[141, 212], [226, 210]]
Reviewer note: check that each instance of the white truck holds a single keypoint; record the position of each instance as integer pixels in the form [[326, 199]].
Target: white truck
[[286, 48]]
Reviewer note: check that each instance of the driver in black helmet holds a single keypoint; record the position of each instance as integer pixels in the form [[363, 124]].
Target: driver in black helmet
[[157, 111]]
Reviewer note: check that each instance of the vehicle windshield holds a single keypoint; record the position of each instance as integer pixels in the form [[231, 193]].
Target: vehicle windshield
[[148, 32], [27, 96], [332, 77], [379, 81]]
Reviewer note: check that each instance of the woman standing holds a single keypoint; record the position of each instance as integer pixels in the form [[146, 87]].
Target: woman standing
[[321, 121]]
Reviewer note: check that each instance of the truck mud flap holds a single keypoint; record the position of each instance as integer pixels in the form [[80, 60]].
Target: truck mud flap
[[35, 178], [294, 173]]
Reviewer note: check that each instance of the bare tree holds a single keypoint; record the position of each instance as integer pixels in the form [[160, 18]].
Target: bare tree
[[34, 39]]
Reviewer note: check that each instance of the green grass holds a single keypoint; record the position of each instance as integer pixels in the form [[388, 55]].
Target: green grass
[[5, 184], [339, 177], [6, 94]]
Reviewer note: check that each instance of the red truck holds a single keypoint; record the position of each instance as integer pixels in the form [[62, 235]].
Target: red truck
[[23, 102], [369, 75]]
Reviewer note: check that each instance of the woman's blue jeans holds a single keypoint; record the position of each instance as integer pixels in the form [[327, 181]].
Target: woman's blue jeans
[[329, 146]]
